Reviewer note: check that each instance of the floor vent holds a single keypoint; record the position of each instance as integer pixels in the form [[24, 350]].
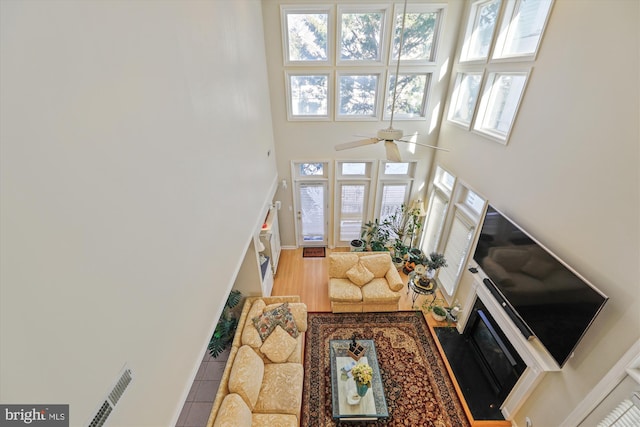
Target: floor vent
[[114, 396]]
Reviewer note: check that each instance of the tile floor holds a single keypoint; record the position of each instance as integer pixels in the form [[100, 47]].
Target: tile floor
[[197, 406]]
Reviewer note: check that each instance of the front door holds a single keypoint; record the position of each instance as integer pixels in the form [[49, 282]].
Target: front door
[[311, 203]]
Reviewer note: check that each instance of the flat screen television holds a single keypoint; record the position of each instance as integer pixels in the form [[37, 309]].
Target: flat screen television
[[553, 301]]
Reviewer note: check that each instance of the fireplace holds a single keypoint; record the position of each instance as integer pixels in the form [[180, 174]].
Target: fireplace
[[484, 362], [499, 362], [494, 390]]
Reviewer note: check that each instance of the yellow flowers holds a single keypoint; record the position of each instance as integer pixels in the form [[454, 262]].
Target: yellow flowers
[[362, 373]]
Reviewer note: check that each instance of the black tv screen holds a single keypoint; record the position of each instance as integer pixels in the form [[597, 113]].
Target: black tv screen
[[555, 303]]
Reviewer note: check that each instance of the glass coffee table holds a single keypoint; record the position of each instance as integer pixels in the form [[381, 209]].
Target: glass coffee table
[[345, 402]]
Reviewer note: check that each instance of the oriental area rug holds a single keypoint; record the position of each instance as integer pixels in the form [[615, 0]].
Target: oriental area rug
[[417, 387]]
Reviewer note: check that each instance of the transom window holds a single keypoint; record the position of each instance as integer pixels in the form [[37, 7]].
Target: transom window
[[495, 63], [353, 51], [311, 169]]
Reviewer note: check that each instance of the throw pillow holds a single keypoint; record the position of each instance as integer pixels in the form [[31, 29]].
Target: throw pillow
[[250, 335], [359, 275], [279, 345], [299, 312], [281, 315]]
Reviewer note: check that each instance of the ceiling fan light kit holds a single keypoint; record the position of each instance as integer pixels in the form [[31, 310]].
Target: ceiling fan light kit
[[390, 134]]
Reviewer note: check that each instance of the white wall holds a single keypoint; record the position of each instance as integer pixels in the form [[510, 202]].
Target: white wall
[[315, 141], [134, 171], [569, 176]]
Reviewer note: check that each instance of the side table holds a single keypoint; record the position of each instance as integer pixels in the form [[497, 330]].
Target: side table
[[417, 289]]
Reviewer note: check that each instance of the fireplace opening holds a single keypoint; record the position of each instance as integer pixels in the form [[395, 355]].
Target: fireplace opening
[[483, 361], [499, 361]]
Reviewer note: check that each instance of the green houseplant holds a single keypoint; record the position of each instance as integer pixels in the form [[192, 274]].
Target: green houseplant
[[226, 327], [434, 261], [438, 313], [376, 235]]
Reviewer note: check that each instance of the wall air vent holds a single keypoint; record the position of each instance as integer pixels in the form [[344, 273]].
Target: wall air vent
[[102, 415], [118, 389]]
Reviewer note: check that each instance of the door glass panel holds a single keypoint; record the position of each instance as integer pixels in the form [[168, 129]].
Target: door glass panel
[[312, 202], [393, 196], [351, 211]]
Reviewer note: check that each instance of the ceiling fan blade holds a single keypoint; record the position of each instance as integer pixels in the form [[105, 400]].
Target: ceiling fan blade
[[354, 144], [423, 145], [393, 153]]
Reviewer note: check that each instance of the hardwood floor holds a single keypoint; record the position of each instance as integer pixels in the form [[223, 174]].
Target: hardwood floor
[[309, 278]]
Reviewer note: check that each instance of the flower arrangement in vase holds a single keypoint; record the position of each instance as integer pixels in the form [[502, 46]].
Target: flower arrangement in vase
[[362, 375]]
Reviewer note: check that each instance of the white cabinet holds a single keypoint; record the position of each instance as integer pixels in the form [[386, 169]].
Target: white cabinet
[[270, 238]]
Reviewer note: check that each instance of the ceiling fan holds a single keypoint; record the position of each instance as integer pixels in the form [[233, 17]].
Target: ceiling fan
[[390, 136]]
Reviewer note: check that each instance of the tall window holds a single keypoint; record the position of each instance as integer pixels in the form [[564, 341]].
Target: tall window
[[437, 209], [495, 63], [457, 241], [453, 214], [357, 46]]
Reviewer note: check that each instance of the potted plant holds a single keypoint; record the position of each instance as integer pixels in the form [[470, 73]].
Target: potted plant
[[376, 235], [404, 223], [357, 245], [413, 258], [438, 313], [226, 327], [433, 262], [399, 251]]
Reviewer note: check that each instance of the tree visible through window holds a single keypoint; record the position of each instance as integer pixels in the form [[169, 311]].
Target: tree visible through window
[[419, 35], [309, 95], [364, 36], [361, 36], [410, 96], [307, 36], [357, 94]]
